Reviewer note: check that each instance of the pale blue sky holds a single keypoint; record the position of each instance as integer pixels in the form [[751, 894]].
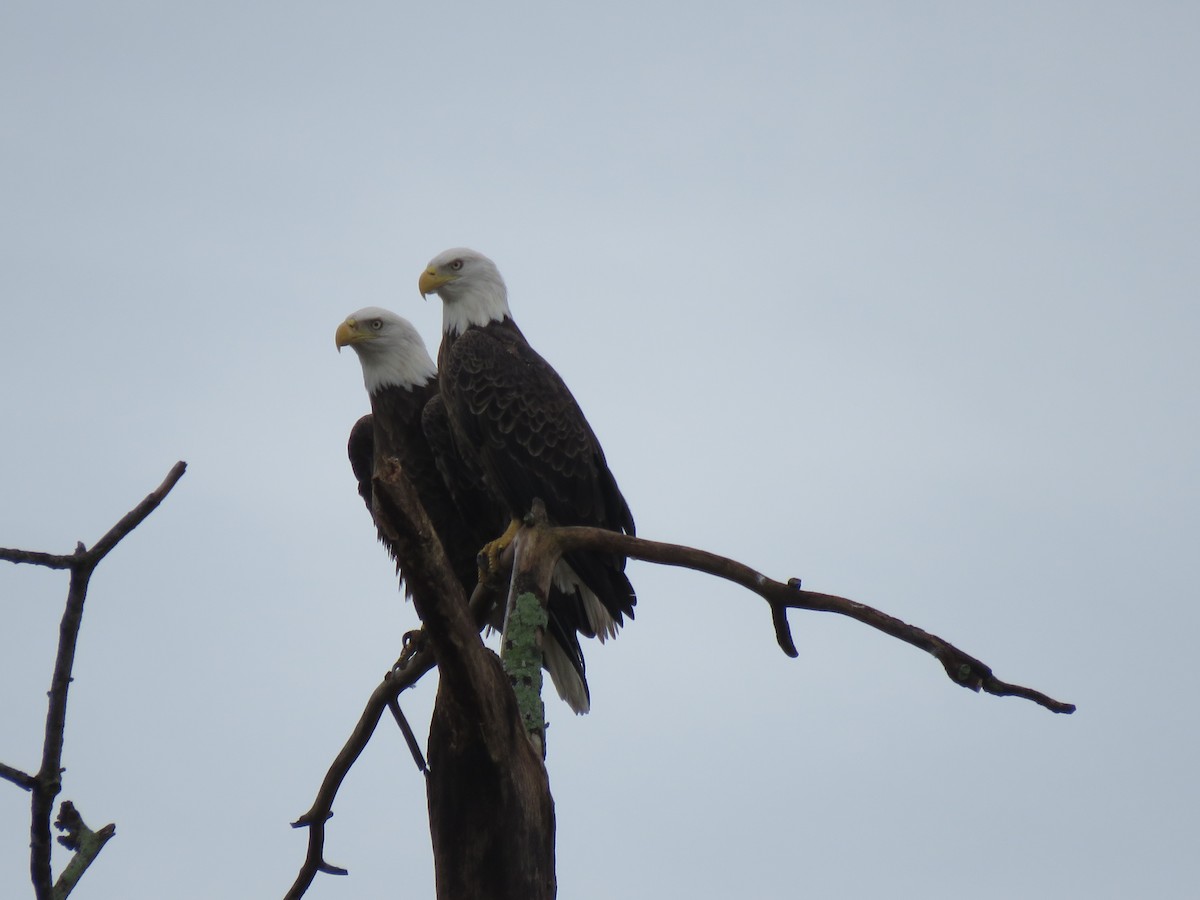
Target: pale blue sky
[[900, 299]]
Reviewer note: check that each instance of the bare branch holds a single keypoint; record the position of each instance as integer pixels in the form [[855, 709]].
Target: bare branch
[[409, 738], [33, 557], [137, 515], [47, 783], [21, 779], [401, 678], [393, 684], [963, 669], [128, 522]]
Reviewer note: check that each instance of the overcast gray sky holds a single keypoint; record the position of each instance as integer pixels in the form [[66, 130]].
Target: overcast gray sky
[[896, 298]]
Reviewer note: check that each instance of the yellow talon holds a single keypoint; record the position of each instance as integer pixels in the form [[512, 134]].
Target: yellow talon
[[489, 556], [413, 643]]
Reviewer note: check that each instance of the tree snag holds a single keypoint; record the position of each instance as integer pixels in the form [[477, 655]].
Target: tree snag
[[491, 814]]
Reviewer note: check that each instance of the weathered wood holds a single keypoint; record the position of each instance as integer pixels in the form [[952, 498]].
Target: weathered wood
[[491, 815]]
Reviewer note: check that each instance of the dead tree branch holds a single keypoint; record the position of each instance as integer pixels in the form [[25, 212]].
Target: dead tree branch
[[963, 669], [407, 672], [23, 780], [491, 816], [33, 557], [393, 684], [467, 809], [47, 783]]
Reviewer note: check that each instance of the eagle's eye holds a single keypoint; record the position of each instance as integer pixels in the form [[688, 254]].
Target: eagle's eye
[[376, 324], [456, 265]]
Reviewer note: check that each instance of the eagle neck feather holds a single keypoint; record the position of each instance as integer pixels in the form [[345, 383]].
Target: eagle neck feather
[[479, 304], [402, 370]]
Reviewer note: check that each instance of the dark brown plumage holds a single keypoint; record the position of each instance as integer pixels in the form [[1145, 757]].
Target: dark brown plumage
[[395, 430], [512, 413], [484, 517], [408, 422], [361, 450]]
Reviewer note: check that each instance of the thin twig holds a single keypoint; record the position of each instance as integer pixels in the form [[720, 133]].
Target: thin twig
[[137, 515], [33, 557], [409, 738], [23, 780], [393, 684]]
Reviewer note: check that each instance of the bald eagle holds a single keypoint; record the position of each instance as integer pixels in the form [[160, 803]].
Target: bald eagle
[[408, 422], [514, 417]]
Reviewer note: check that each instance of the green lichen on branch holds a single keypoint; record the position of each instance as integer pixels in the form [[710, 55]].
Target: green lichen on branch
[[523, 659], [86, 843]]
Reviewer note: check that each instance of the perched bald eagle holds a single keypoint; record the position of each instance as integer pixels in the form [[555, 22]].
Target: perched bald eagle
[[514, 418], [400, 377], [408, 421]]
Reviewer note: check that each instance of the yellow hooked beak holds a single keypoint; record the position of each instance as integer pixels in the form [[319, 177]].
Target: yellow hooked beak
[[348, 333], [432, 279]]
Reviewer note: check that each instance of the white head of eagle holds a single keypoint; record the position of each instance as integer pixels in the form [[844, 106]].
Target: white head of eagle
[[389, 347], [472, 291]]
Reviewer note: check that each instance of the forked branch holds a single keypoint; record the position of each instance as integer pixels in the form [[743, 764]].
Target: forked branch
[[47, 783], [384, 696]]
